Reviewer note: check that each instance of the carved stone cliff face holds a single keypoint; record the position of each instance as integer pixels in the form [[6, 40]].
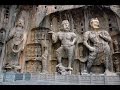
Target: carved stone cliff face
[[39, 52]]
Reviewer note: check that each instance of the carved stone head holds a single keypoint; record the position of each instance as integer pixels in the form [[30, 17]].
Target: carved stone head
[[20, 23], [65, 25], [94, 23], [115, 42]]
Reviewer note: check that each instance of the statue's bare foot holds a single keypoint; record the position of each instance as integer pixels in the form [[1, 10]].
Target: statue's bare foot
[[69, 68], [108, 73]]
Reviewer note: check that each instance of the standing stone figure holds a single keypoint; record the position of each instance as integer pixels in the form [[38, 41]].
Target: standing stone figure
[[68, 40], [17, 35], [116, 46], [117, 64], [100, 40], [45, 58]]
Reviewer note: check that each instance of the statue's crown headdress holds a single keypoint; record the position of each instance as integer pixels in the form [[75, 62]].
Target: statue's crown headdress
[[64, 21], [93, 19]]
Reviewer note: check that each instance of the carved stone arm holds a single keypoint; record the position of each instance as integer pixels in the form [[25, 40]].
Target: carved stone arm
[[10, 35], [25, 38], [85, 41], [105, 36], [54, 36], [74, 38]]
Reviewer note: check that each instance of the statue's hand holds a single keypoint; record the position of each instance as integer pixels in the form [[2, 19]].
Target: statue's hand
[[51, 32], [92, 49], [101, 35], [72, 43]]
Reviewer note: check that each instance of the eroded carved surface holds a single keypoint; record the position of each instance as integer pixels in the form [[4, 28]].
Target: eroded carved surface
[[31, 48]]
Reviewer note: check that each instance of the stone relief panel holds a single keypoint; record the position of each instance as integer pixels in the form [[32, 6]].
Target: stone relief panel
[[37, 51], [33, 54], [33, 66], [33, 51], [79, 24], [40, 54]]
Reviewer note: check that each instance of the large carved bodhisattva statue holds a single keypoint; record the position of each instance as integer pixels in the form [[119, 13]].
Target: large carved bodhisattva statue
[[68, 40], [100, 44], [17, 35]]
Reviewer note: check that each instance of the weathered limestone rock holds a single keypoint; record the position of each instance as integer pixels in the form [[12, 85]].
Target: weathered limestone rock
[[35, 51]]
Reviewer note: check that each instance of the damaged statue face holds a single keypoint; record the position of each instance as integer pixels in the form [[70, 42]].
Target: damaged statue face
[[20, 23], [94, 23], [66, 25]]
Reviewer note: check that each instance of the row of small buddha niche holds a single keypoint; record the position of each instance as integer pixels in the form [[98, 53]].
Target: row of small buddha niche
[[34, 51], [2, 39], [37, 36], [100, 45], [36, 61], [116, 55]]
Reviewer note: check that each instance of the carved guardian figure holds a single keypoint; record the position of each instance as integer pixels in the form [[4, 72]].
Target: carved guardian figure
[[68, 40], [100, 40]]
